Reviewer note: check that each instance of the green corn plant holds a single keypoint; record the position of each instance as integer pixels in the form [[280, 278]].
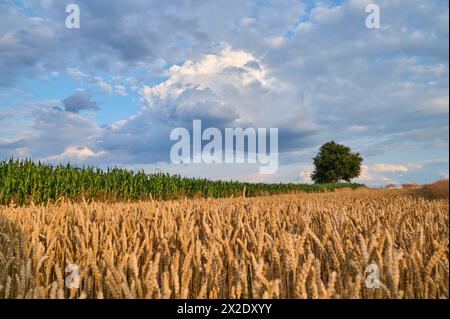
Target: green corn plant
[[23, 182]]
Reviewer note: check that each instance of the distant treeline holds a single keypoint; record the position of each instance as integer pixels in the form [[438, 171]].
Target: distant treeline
[[23, 182]]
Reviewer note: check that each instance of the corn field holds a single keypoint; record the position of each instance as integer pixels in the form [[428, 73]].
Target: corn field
[[23, 182], [304, 245]]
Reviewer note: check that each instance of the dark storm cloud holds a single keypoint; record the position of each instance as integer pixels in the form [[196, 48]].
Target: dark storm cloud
[[79, 101]]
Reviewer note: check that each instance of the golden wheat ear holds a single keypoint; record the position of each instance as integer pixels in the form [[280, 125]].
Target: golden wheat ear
[[350, 244]]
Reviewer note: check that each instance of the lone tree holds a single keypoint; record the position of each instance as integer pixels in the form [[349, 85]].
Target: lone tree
[[336, 162]]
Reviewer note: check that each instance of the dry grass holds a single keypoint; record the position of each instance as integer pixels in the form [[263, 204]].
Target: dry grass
[[289, 246], [438, 189], [410, 186]]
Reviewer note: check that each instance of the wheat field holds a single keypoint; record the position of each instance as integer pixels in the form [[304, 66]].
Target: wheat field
[[284, 246]]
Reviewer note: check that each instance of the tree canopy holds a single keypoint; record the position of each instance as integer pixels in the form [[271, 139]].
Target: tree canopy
[[336, 162]]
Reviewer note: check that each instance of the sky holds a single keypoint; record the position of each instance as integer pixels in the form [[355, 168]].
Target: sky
[[110, 92]]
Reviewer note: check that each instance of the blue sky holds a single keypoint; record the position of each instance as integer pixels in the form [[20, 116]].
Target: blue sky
[[110, 92]]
